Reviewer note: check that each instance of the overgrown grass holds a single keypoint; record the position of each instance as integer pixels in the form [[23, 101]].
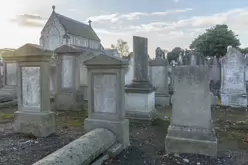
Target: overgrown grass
[[6, 116]]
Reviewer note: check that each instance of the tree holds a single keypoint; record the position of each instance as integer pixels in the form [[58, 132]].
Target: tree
[[244, 50], [214, 41], [122, 47], [174, 54]]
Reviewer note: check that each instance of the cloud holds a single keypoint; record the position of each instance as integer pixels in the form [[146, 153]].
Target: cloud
[[28, 20], [134, 15], [176, 1]]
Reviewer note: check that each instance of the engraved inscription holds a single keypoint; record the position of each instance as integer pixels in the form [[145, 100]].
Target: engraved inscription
[[105, 93], [67, 71], [11, 73], [31, 87]]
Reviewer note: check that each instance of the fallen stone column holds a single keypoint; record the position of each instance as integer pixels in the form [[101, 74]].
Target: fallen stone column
[[83, 150]]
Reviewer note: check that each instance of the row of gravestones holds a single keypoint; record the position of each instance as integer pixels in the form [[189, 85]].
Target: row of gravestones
[[191, 116], [227, 76]]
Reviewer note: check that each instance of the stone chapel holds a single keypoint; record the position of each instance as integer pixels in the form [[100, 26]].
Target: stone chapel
[[60, 30]]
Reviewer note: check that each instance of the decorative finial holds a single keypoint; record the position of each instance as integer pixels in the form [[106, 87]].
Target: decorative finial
[[53, 7], [90, 23]]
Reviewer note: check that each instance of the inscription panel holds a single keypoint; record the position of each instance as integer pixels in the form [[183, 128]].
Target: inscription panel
[[11, 73], [105, 93], [67, 72], [31, 87], [234, 77]]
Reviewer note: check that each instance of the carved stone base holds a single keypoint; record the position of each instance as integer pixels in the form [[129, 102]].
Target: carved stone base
[[38, 124], [191, 140], [140, 105], [234, 100]]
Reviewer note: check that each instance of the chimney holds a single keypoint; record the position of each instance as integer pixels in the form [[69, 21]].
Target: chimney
[[90, 23]]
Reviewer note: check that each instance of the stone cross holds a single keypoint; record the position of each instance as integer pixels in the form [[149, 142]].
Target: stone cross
[[34, 115], [106, 96]]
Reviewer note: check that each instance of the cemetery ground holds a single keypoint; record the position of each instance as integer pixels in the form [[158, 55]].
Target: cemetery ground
[[147, 140]]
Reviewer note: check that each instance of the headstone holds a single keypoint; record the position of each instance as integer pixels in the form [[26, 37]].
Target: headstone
[[246, 72], [194, 58], [191, 129], [215, 75], [129, 69], [106, 91], [159, 53], [68, 96], [34, 115], [10, 74], [140, 95], [233, 85], [159, 68]]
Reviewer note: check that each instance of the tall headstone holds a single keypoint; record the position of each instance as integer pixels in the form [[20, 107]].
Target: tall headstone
[[215, 75], [246, 72], [193, 58], [34, 115], [233, 85], [159, 68], [106, 91], [68, 96], [140, 95], [191, 129]]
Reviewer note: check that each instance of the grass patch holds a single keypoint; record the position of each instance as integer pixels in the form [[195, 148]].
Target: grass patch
[[6, 116]]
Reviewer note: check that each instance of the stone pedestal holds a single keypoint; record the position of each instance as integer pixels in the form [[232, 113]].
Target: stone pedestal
[[140, 95], [191, 129], [34, 115], [68, 96], [106, 96], [160, 81]]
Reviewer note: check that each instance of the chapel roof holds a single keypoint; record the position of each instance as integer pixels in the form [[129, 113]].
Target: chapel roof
[[75, 27]]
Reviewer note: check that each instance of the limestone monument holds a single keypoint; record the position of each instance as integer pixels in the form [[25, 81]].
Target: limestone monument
[[215, 75], [233, 85], [159, 68], [191, 129], [68, 96], [106, 101], [34, 115], [140, 94]]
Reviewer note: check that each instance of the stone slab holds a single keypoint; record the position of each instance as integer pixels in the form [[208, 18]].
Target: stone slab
[[83, 150], [119, 128], [188, 140], [69, 100], [38, 124]]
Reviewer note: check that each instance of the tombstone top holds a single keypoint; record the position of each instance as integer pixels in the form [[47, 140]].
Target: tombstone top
[[104, 60], [234, 53], [72, 49], [194, 58], [214, 61], [159, 62], [8, 54]]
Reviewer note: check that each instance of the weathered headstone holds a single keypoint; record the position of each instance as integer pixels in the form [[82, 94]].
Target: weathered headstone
[[140, 95], [34, 115], [10, 73], [215, 75], [129, 69], [159, 68], [191, 129], [194, 58], [106, 102], [68, 96], [233, 85]]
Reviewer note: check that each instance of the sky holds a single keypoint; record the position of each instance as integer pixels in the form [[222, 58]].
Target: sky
[[166, 23]]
